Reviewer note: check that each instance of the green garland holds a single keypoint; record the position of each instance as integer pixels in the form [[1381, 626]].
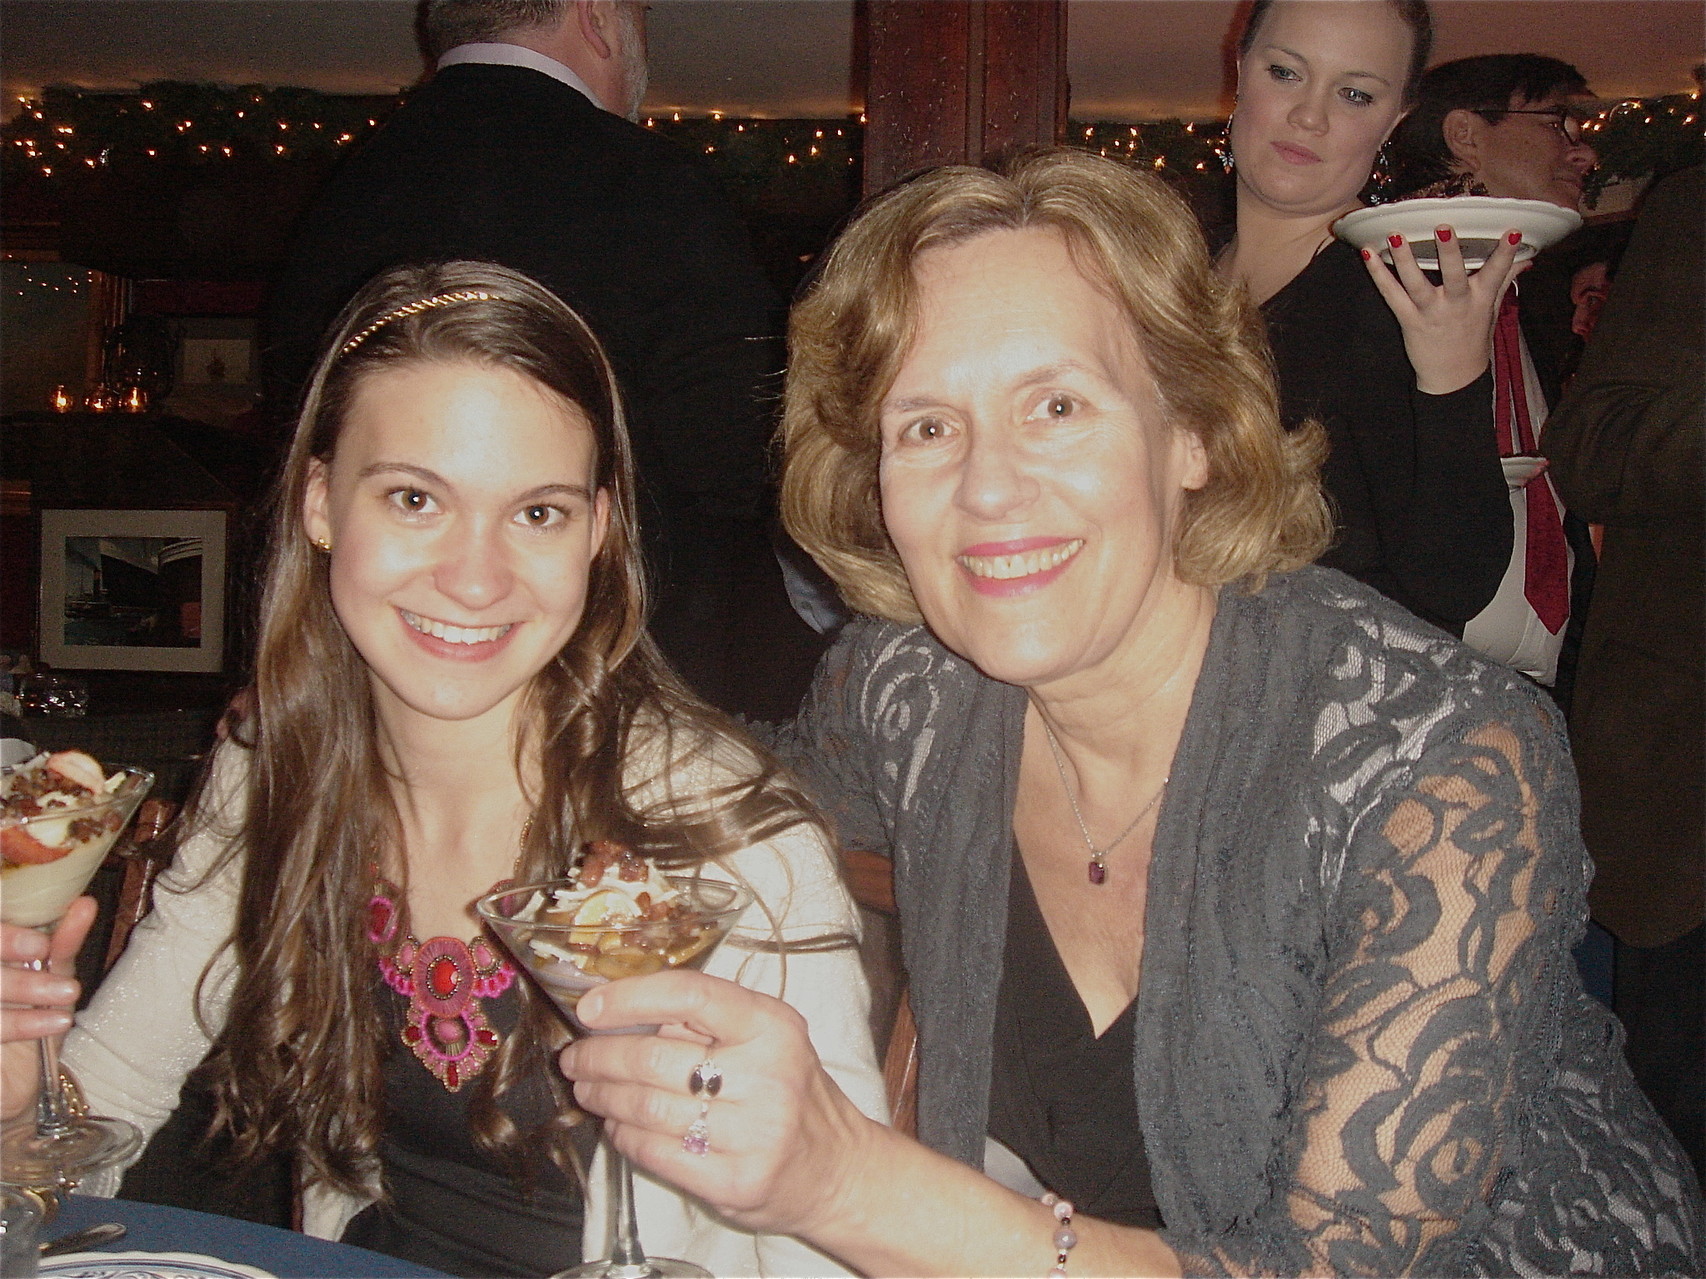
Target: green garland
[[71, 132], [1636, 138], [171, 122]]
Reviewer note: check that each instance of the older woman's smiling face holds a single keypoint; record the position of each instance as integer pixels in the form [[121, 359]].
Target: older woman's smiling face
[[1030, 479]]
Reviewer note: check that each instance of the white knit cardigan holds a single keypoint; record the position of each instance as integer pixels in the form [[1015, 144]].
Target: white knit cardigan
[[133, 1046]]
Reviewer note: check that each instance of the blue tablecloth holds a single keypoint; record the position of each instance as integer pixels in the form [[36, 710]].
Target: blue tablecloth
[[155, 1228]]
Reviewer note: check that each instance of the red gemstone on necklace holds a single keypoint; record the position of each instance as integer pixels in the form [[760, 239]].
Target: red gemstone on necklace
[[443, 977], [1098, 873], [452, 1076]]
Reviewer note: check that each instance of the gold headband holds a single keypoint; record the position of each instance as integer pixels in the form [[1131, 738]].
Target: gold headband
[[414, 308]]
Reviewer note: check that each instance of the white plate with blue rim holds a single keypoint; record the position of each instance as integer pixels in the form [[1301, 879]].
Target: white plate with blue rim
[[1478, 221], [147, 1265]]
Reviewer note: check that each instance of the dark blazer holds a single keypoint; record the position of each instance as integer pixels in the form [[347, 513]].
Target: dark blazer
[[506, 164], [1626, 445]]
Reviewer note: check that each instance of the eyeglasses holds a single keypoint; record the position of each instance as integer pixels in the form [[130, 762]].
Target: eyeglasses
[[1567, 124]]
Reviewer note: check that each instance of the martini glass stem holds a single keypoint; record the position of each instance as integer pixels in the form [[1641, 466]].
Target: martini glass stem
[[627, 1258], [53, 1109]]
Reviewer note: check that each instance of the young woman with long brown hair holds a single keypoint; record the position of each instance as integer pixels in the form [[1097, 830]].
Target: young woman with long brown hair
[[454, 688]]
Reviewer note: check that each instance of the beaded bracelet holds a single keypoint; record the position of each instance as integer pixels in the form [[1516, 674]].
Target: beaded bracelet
[[1064, 1235]]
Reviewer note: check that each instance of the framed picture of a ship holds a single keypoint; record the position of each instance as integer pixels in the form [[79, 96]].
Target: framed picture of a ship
[[133, 590]]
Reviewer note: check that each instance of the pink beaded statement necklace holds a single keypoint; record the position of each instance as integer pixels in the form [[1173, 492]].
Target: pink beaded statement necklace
[[444, 980]]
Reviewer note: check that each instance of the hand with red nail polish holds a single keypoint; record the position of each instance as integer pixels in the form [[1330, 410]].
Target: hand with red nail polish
[[1448, 323]]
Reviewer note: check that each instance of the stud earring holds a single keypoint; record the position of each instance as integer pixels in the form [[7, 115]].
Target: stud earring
[[323, 544]]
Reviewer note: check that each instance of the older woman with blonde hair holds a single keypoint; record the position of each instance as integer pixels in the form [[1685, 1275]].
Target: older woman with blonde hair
[[1236, 903]]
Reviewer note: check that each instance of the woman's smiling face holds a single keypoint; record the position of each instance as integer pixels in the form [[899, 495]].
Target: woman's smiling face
[[1319, 91], [1031, 481], [463, 517]]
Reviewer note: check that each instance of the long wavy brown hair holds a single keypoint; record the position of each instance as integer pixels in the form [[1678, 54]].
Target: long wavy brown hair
[[298, 1067]]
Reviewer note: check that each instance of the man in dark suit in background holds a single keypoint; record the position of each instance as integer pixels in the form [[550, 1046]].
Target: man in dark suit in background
[[521, 150], [1628, 448]]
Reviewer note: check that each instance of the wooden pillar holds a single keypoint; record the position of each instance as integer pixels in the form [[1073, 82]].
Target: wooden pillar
[[959, 81], [109, 307]]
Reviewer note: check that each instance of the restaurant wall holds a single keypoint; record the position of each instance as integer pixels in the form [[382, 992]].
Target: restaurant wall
[[44, 315]]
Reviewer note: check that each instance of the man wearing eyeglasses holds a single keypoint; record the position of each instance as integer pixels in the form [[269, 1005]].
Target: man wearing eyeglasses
[[1510, 126], [1506, 125]]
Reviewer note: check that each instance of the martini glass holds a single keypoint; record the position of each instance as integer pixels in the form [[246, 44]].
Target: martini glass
[[58, 1147], [567, 960]]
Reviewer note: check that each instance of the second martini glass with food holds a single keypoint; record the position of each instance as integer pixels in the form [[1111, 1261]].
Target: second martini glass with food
[[618, 917]]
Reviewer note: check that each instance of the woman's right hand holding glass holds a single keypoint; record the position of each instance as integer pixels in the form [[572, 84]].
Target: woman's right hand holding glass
[[34, 1004], [780, 1133], [788, 1153], [1448, 327]]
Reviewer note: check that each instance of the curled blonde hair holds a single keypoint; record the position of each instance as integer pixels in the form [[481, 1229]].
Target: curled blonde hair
[[1261, 510]]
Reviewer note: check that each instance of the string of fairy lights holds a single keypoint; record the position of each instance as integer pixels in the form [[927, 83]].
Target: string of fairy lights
[[68, 134], [1633, 137], [30, 282]]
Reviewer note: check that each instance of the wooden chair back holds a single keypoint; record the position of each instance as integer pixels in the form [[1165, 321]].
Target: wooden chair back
[[870, 878], [142, 854]]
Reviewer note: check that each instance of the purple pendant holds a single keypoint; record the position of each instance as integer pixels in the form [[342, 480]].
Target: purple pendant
[[1098, 873]]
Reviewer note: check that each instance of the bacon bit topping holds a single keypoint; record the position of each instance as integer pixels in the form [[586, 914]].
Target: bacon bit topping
[[600, 856]]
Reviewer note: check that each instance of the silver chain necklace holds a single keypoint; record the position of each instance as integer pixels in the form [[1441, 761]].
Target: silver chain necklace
[[1098, 868]]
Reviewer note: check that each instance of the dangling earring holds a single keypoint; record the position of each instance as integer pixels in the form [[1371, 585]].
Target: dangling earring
[[1227, 162], [1380, 179]]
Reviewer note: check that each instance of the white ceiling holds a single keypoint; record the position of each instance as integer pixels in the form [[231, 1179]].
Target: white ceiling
[[1128, 59]]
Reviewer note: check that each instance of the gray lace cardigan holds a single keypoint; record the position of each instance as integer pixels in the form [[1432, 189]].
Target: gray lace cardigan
[[1362, 1047]]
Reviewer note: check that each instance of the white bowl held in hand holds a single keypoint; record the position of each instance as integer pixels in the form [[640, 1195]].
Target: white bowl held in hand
[[1477, 220]]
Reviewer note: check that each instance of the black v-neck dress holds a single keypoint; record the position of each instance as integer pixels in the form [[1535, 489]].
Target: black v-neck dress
[[451, 1207], [1061, 1098]]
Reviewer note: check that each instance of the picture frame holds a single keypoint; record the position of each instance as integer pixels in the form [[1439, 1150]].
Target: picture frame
[[133, 590]]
